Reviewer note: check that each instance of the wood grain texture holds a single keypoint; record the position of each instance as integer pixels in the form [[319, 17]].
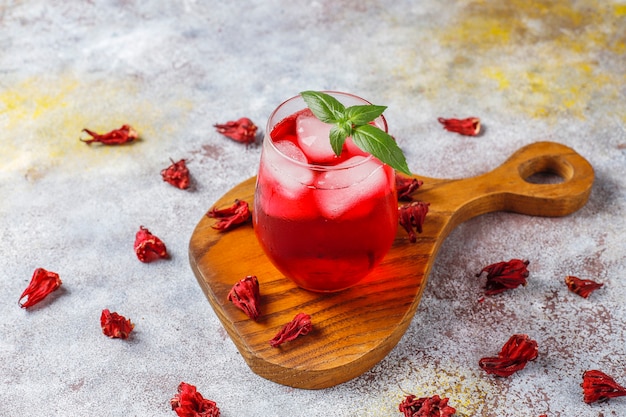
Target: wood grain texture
[[356, 328]]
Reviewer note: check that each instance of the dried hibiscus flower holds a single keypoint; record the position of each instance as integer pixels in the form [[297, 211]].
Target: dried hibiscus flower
[[582, 287], [412, 216], [114, 325], [41, 284], [177, 174], [245, 295], [119, 136], [148, 247], [426, 407], [598, 386], [299, 326], [515, 354], [190, 403], [230, 217], [406, 186], [242, 130], [503, 276], [468, 127]]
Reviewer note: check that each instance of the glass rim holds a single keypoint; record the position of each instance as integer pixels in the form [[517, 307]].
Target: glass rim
[[318, 167]]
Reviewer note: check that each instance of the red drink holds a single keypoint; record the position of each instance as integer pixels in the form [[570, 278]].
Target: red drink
[[324, 221]]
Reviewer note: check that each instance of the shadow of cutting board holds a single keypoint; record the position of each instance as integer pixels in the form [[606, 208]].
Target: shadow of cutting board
[[356, 328]]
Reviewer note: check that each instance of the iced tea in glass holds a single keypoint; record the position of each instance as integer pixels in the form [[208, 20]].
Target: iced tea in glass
[[324, 221]]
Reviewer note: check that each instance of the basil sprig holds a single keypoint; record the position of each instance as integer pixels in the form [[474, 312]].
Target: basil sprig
[[354, 121]]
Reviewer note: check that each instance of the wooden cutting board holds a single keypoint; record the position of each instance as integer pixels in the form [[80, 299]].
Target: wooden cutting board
[[356, 328]]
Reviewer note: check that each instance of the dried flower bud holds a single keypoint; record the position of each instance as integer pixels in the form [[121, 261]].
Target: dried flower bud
[[242, 130], [119, 136], [230, 217], [41, 284], [190, 403], [246, 295], [300, 325], [582, 287], [406, 186], [598, 386], [503, 276], [115, 326], [426, 407], [515, 354], [177, 174], [412, 216], [467, 127], [148, 247]]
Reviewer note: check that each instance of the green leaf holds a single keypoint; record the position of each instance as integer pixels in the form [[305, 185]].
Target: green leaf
[[363, 114], [325, 107], [354, 121], [337, 139], [380, 144]]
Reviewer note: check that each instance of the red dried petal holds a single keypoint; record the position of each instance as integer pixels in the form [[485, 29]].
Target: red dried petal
[[41, 284], [246, 295], [598, 386], [412, 216], [469, 126], [406, 186], [119, 136], [503, 276], [190, 403], [300, 325], [426, 407], [230, 217], [177, 174], [502, 367], [114, 325], [520, 347], [515, 354], [242, 130], [148, 247], [582, 287]]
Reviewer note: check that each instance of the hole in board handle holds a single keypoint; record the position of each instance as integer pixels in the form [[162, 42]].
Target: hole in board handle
[[546, 170]]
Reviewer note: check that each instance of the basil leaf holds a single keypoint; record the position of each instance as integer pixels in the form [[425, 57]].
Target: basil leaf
[[354, 121], [337, 139], [380, 144], [363, 114], [325, 107]]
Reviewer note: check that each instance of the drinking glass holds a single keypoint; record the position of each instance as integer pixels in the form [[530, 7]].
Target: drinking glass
[[323, 221]]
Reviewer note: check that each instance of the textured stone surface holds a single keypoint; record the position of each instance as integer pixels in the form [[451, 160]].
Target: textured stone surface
[[531, 70]]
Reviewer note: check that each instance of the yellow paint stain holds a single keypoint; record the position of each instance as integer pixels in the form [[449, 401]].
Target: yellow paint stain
[[45, 103], [536, 84], [543, 55], [467, 393], [499, 75], [42, 118], [619, 10], [556, 89], [481, 30], [12, 100]]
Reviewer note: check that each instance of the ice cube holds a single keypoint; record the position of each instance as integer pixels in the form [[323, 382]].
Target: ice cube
[[292, 176], [280, 205], [314, 139], [284, 181], [291, 150], [353, 189]]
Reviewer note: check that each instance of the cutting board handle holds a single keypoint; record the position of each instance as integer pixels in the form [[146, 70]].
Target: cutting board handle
[[507, 188]]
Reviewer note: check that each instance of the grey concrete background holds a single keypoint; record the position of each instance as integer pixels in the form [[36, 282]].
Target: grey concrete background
[[531, 70]]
